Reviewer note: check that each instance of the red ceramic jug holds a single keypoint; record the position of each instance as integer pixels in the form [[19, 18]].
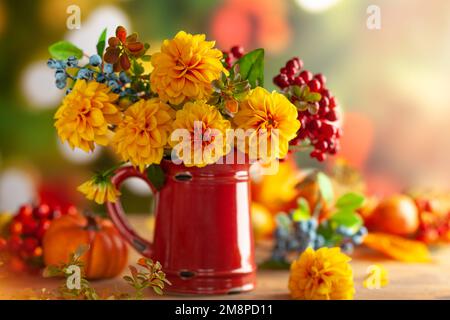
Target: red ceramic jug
[[203, 236]]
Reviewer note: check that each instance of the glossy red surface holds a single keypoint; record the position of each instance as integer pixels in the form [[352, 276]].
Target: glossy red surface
[[203, 235]]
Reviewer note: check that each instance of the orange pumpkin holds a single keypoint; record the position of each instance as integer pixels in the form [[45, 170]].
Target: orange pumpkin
[[107, 255]]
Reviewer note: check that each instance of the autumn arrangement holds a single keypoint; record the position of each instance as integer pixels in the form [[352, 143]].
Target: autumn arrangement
[[190, 105], [193, 88]]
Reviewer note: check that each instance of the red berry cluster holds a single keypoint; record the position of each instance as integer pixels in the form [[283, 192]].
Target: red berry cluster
[[27, 230], [233, 55], [319, 127], [434, 227]]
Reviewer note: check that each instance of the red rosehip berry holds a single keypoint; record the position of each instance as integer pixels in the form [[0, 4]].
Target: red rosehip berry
[[298, 81], [325, 93], [321, 145], [292, 66], [3, 244], [228, 59], [319, 155], [42, 228], [324, 102], [333, 102], [237, 51], [331, 116], [306, 75], [42, 211], [14, 243], [333, 151], [314, 85], [323, 111], [327, 130], [30, 226], [38, 251], [281, 80], [29, 244], [321, 78], [314, 125], [298, 63], [25, 211], [16, 227]]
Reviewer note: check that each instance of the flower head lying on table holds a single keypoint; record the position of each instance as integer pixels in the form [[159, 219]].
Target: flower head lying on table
[[324, 274]]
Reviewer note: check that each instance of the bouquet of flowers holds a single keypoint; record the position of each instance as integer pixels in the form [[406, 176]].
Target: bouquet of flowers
[[194, 107]]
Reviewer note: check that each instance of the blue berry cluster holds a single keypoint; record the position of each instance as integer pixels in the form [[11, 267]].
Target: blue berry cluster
[[296, 236], [91, 71], [350, 238], [61, 74]]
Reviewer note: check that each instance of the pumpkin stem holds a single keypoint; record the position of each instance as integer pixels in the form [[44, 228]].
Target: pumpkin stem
[[91, 222]]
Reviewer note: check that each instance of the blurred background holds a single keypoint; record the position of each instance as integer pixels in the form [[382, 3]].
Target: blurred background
[[391, 83]]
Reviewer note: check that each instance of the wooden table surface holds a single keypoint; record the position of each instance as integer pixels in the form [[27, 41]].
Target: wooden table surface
[[406, 281]]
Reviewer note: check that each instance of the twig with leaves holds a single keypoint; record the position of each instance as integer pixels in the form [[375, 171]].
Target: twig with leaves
[[150, 275], [85, 290]]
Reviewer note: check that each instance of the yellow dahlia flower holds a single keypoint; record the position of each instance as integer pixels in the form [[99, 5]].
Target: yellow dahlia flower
[[142, 135], [100, 189], [271, 116], [202, 131], [185, 68], [85, 113], [324, 274]]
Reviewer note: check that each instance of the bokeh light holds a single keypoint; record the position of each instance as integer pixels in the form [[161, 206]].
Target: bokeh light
[[102, 17], [77, 155], [38, 86], [16, 187], [252, 23], [138, 186], [316, 5]]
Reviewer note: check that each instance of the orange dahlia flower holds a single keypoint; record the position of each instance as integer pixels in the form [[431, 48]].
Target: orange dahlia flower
[[185, 68], [202, 130], [324, 274], [274, 120], [85, 114], [142, 135]]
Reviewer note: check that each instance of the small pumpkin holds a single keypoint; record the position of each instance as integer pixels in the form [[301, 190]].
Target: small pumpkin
[[107, 255]]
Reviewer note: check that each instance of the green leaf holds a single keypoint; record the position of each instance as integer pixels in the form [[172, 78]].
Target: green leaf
[[51, 271], [313, 97], [156, 176], [146, 57], [138, 69], [302, 212], [158, 291], [325, 230], [63, 49], [251, 67], [101, 43], [298, 91], [325, 187], [81, 249], [350, 201], [283, 220], [347, 218]]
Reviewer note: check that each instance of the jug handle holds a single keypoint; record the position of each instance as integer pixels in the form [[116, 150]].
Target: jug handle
[[118, 216]]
